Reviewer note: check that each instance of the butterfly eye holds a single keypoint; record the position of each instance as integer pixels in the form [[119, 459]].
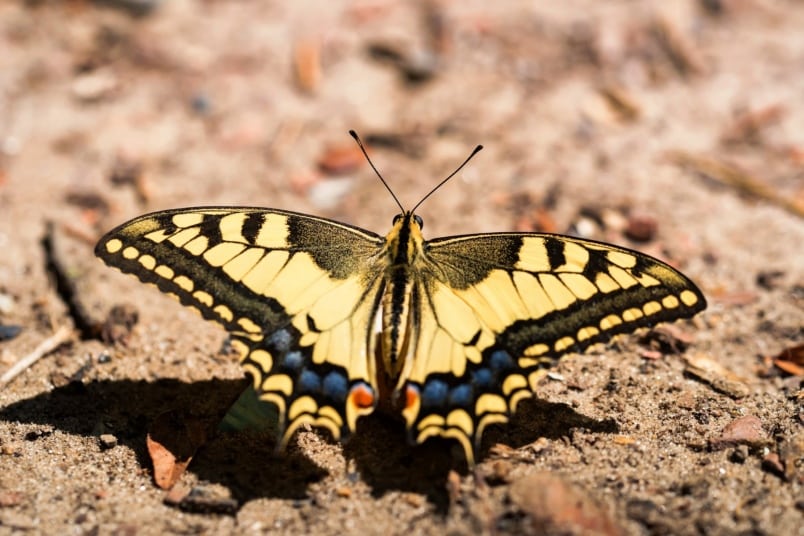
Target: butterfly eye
[[419, 221], [397, 218]]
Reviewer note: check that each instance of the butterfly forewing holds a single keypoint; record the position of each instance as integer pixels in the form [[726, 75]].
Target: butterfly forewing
[[497, 310], [296, 293]]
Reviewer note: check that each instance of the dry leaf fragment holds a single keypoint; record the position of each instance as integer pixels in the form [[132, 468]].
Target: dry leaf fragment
[[172, 442], [719, 377], [734, 177], [679, 49], [621, 102], [794, 354], [307, 64], [747, 127]]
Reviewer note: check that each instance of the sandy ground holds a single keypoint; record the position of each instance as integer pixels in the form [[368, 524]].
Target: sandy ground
[[678, 124]]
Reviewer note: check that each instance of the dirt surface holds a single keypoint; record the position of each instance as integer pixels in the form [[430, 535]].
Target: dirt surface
[[678, 124]]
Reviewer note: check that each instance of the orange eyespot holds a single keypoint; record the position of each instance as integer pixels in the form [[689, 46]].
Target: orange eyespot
[[411, 396], [362, 396]]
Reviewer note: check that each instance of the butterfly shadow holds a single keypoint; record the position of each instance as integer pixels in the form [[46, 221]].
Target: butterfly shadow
[[244, 463], [387, 462]]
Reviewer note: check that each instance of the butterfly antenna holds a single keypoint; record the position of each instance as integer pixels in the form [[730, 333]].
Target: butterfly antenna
[[440, 184], [360, 144]]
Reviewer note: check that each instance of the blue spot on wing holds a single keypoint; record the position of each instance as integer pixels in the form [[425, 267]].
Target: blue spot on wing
[[309, 382], [281, 340], [336, 386], [501, 360], [482, 378], [460, 396], [293, 360], [434, 393]]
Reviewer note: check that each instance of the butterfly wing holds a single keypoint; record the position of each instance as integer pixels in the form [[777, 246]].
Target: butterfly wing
[[495, 311], [296, 293]]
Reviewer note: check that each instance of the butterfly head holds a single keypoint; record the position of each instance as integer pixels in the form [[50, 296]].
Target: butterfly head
[[405, 241], [411, 219]]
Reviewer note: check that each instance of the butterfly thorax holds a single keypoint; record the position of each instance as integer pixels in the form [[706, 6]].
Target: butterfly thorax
[[404, 247]]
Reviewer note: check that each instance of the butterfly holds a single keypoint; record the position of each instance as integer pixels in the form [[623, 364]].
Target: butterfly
[[329, 319]]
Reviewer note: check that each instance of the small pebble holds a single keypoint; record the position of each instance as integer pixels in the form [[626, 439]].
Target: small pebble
[[107, 441], [500, 472], [742, 431], [739, 454], [772, 464], [210, 500]]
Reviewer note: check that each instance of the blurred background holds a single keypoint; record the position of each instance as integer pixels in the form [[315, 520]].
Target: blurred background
[[676, 128]]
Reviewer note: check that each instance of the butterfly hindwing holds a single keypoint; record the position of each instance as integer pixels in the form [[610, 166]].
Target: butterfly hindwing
[[296, 293], [495, 311]]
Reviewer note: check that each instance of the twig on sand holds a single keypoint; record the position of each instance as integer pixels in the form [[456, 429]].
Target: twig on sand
[[61, 336]]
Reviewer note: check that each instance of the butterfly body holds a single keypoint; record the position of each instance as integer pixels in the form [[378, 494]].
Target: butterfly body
[[464, 327]]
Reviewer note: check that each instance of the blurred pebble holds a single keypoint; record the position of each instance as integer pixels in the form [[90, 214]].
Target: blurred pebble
[[413, 499], [556, 506], [772, 464], [341, 159], [134, 7], [613, 220], [745, 430], [9, 332], [416, 65], [641, 227], [6, 303], [19, 522], [209, 499], [770, 279], [739, 454], [585, 228], [649, 514], [119, 323], [11, 498], [500, 472], [791, 452], [201, 104], [94, 86], [325, 195]]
